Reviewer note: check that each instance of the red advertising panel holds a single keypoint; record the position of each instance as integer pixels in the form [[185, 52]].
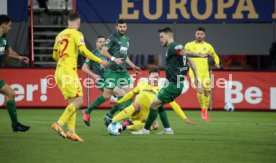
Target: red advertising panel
[[246, 90]]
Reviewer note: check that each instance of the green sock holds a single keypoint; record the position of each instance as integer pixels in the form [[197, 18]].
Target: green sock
[[164, 117], [95, 104], [115, 108], [12, 111], [151, 118]]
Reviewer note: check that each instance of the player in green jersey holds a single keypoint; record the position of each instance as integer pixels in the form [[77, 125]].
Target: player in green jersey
[[5, 89], [116, 75], [96, 71], [176, 68]]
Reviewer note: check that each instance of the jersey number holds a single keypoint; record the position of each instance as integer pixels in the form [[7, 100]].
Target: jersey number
[[66, 42], [184, 60]]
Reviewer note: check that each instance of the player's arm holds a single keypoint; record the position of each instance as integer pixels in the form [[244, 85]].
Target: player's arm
[[55, 51], [133, 66], [188, 52], [79, 41], [178, 110], [104, 51], [11, 53], [215, 56], [86, 69], [130, 95], [193, 67], [180, 113]]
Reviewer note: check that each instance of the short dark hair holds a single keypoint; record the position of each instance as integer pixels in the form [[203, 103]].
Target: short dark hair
[[201, 29], [4, 19], [73, 16], [100, 36], [166, 30], [153, 68], [121, 21]]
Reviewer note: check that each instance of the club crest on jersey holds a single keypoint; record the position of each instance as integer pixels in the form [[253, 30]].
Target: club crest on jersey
[[107, 41]]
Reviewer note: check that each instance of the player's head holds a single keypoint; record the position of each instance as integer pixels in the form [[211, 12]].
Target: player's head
[[200, 34], [154, 73], [121, 27], [166, 35], [100, 42], [5, 23], [74, 20]]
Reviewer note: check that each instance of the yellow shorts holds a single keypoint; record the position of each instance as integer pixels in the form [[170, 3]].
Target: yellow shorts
[[204, 80], [68, 82]]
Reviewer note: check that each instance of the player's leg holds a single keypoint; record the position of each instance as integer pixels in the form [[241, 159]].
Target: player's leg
[[119, 93], [71, 123], [97, 102], [109, 85], [206, 96], [10, 103], [127, 112], [165, 95]]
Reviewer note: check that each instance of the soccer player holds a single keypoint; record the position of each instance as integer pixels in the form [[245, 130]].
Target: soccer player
[[199, 45], [138, 111], [176, 69], [65, 52], [95, 70], [115, 49], [5, 89]]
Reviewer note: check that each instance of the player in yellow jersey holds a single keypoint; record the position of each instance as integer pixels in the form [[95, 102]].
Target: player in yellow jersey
[[138, 112], [199, 45], [67, 44]]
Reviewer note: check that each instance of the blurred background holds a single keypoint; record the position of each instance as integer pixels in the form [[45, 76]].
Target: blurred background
[[241, 31]]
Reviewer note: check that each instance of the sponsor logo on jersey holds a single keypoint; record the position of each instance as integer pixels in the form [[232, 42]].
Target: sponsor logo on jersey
[[2, 49]]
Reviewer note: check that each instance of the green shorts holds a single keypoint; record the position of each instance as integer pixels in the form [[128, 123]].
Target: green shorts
[[170, 92], [100, 84], [119, 79], [2, 83]]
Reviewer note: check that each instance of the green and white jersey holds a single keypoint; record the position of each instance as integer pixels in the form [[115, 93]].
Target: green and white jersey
[[176, 64], [96, 67], [4, 46], [117, 46]]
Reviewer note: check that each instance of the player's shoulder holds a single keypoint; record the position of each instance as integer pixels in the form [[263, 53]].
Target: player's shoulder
[[208, 44], [142, 84], [191, 43]]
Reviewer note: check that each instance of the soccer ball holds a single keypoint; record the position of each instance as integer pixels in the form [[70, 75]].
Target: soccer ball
[[229, 107], [115, 128]]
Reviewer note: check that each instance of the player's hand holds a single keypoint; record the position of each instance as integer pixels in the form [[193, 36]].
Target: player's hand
[[24, 59], [217, 66], [118, 61], [105, 63], [203, 55], [137, 70], [96, 76], [187, 121]]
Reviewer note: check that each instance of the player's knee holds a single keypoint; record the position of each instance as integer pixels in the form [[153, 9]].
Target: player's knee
[[10, 95], [107, 95], [206, 93], [136, 106], [79, 103]]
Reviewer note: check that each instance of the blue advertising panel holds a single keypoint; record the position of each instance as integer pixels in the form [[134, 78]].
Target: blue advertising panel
[[180, 11]]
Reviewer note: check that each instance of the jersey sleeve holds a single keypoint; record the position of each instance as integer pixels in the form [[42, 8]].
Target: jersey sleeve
[[187, 47], [175, 50], [139, 87], [214, 54], [55, 50], [79, 39], [109, 42]]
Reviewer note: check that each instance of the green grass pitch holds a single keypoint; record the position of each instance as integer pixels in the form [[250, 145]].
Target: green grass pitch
[[229, 137]]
